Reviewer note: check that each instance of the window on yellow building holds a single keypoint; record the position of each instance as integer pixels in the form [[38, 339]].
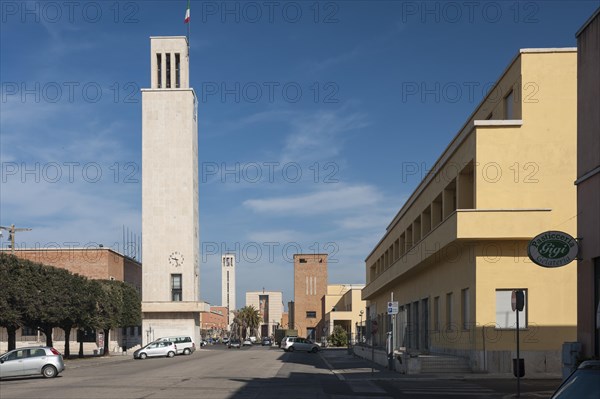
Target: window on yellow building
[[436, 313], [449, 315], [505, 316], [465, 306]]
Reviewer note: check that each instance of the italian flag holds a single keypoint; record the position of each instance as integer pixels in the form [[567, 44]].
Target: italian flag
[[187, 14]]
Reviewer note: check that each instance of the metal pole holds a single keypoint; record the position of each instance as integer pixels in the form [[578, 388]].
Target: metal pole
[[518, 360], [370, 324], [391, 354]]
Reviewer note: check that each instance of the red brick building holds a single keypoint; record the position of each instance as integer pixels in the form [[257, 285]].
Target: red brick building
[[94, 263], [310, 286], [214, 324]]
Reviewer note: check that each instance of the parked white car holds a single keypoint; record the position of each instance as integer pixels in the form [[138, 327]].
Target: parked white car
[[156, 348], [185, 344], [291, 344]]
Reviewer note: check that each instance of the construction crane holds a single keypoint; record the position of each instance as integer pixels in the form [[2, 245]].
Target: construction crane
[[11, 234]]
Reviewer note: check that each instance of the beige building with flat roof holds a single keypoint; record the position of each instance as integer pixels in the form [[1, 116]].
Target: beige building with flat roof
[[344, 307], [458, 247], [270, 307]]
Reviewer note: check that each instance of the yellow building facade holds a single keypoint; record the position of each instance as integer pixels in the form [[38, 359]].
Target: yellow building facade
[[458, 247], [343, 306]]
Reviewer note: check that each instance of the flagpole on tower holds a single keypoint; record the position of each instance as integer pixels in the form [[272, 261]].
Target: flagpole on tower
[[187, 22]]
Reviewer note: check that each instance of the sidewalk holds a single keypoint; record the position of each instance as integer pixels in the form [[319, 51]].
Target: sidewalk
[[89, 361], [349, 367]]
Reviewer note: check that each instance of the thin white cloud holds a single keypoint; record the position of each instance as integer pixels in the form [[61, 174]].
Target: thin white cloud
[[317, 66], [365, 221], [335, 198], [276, 236], [320, 136]]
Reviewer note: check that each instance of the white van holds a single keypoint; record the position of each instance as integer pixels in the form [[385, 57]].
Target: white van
[[185, 344]]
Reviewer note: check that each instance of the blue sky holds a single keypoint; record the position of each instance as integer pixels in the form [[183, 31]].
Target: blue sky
[[310, 117]]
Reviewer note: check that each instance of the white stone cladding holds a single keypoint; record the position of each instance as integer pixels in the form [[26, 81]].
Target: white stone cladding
[[170, 225], [228, 285]]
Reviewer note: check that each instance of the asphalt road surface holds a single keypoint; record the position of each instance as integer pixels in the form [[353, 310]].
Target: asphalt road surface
[[257, 372]]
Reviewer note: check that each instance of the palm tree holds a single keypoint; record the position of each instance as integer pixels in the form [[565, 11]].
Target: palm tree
[[246, 318]]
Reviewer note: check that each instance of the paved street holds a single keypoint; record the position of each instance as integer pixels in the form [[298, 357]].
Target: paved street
[[255, 372]]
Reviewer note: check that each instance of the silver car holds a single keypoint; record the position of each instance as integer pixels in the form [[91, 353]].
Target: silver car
[[38, 360], [156, 348], [185, 345], [291, 344]]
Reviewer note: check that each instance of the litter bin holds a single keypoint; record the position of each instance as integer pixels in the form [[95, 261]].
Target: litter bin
[[521, 367]]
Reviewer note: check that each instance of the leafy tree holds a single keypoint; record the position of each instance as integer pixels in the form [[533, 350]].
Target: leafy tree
[[46, 297], [90, 317], [53, 293], [131, 312], [339, 336], [12, 296], [109, 304], [118, 305], [32, 295], [78, 305]]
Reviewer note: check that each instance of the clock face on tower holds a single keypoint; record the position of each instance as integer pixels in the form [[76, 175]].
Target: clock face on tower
[[176, 259]]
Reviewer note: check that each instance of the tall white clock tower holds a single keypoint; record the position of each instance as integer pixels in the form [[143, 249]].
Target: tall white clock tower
[[170, 241], [228, 286]]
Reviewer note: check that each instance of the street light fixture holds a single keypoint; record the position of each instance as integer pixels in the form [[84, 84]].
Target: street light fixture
[[360, 331]]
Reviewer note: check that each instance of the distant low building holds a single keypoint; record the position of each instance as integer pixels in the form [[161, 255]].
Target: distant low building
[[343, 306], [270, 307], [214, 323]]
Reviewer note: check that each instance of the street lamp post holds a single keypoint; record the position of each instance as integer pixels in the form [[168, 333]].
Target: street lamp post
[[360, 331]]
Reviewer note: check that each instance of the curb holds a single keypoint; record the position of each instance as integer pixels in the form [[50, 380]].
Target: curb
[[339, 376]]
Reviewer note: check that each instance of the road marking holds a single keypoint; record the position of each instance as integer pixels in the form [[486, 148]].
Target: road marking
[[445, 393], [330, 367], [450, 391]]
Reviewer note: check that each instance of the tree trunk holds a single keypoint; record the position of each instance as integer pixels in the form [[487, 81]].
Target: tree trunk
[[106, 332], [47, 330], [12, 337], [67, 331], [81, 348]]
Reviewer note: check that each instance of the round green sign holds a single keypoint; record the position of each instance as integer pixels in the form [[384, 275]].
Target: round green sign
[[552, 249]]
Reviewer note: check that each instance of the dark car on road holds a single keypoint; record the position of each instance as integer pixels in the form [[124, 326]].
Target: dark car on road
[[266, 341], [583, 383], [235, 343]]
